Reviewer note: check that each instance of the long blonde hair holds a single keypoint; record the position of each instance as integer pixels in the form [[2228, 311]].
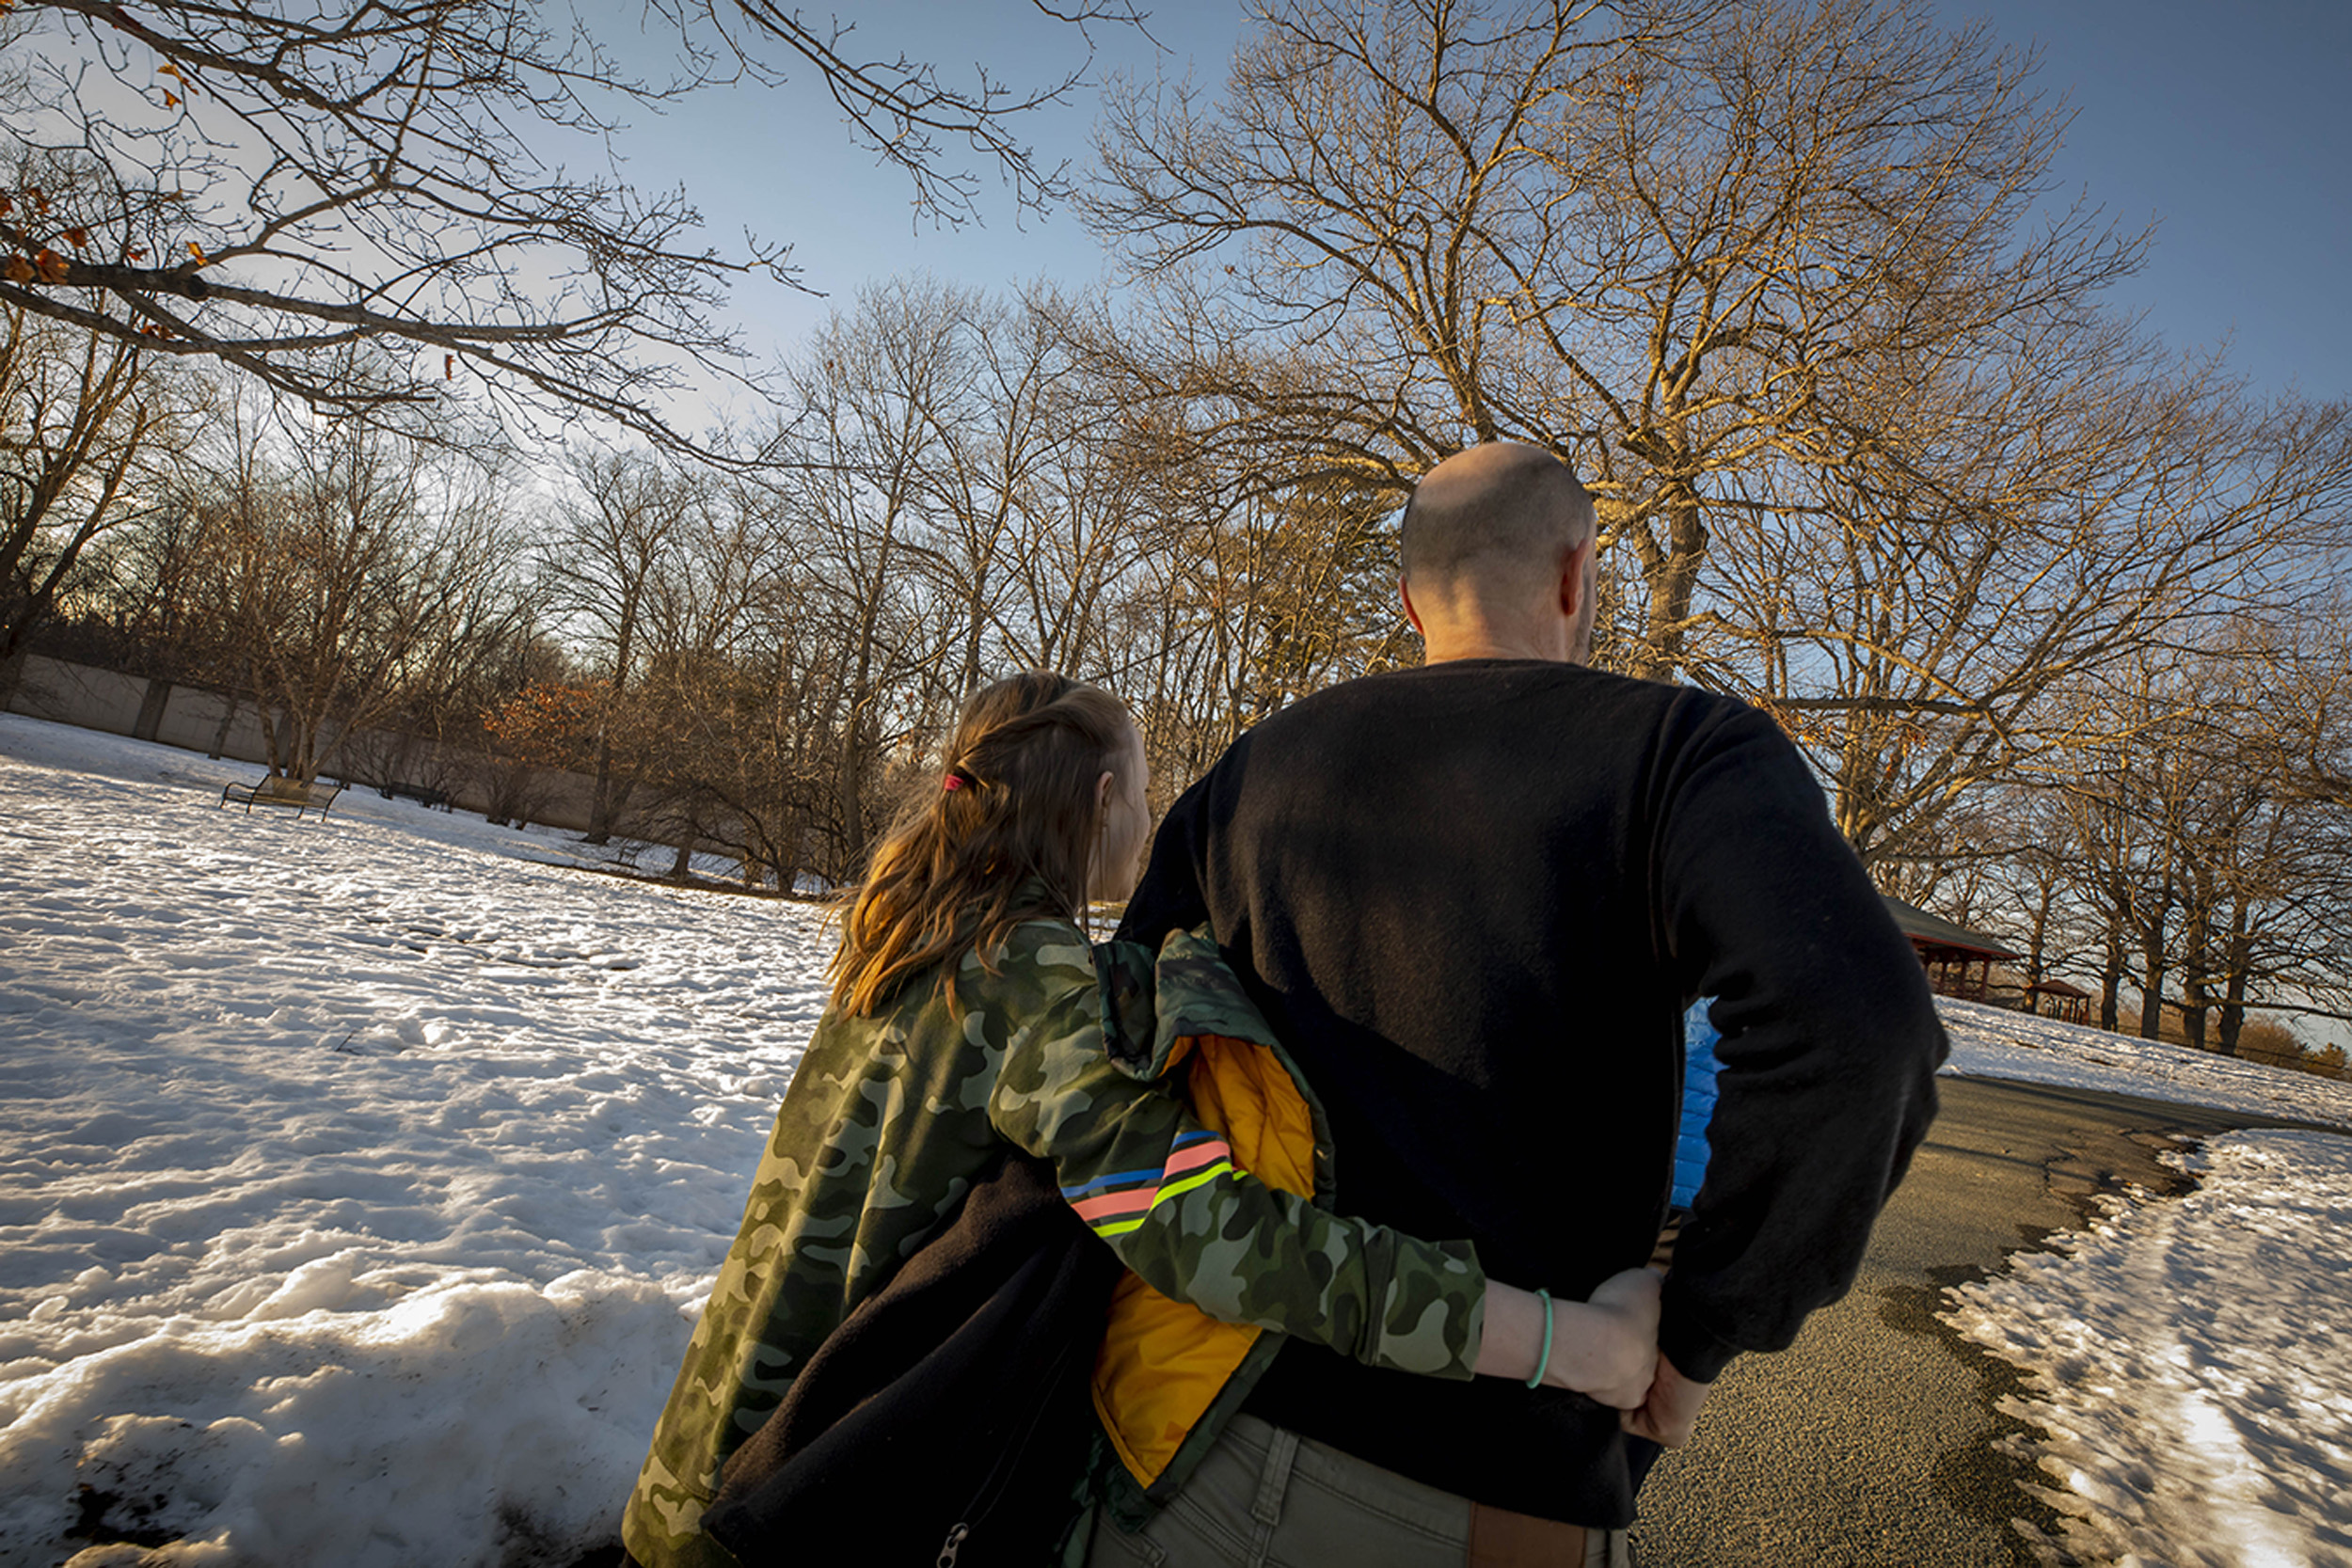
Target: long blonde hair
[[1003, 834]]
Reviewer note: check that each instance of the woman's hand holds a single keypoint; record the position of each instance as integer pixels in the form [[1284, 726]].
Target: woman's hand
[[1606, 1347]]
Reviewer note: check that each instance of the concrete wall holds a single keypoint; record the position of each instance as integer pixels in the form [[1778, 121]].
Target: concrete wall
[[192, 719], [78, 694]]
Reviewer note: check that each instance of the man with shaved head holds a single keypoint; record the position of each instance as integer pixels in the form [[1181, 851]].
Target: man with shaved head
[[1474, 899], [1499, 540]]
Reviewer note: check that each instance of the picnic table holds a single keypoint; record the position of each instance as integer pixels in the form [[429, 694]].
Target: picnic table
[[272, 790]]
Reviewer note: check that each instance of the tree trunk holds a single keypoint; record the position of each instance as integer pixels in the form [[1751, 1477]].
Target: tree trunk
[[227, 720], [1673, 577], [2197, 963], [2111, 970], [850, 787], [2151, 968], [600, 804], [152, 705], [603, 809], [850, 782], [976, 629], [2234, 983], [2193, 996], [2041, 941]]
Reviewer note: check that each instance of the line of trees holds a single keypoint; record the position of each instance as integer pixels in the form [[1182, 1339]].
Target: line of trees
[[333, 578], [2049, 607], [2194, 847], [742, 656], [751, 659], [958, 492]]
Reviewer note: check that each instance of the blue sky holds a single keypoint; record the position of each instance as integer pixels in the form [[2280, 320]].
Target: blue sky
[[2221, 122], [2224, 122]]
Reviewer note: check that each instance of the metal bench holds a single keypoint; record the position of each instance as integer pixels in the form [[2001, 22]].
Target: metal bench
[[424, 795], [273, 791]]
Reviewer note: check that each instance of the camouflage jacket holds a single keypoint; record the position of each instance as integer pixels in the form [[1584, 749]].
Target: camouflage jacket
[[1064, 1051]]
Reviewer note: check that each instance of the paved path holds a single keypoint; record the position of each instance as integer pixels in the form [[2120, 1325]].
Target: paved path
[[1870, 1441]]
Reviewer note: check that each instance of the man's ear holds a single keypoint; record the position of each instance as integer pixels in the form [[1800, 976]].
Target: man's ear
[[1405, 592], [1574, 579]]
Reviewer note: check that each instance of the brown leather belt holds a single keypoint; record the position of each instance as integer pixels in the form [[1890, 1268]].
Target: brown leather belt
[[1502, 1539]]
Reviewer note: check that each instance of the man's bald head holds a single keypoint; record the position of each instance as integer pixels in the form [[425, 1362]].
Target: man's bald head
[[1495, 514], [1497, 551]]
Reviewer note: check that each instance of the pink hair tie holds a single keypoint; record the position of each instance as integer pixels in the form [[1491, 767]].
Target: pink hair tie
[[951, 782]]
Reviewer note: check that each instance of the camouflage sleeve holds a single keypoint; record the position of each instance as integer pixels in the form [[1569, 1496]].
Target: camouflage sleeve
[[1163, 1191]]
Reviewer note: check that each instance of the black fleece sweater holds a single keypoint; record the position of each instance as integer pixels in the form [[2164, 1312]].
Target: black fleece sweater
[[1474, 899]]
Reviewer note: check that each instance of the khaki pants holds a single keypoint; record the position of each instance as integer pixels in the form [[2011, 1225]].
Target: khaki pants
[[1266, 1497]]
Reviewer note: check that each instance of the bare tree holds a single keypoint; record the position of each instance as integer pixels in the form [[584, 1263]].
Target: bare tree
[[345, 574], [1919, 622], [268, 185], [1669, 241], [852, 520], [2205, 863], [84, 424], [613, 535], [1037, 528], [707, 639], [2269, 908], [1270, 598]]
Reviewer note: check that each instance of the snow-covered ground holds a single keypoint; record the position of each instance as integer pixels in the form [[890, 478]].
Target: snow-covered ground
[[359, 1177], [2189, 1363], [1994, 1042], [354, 1172]]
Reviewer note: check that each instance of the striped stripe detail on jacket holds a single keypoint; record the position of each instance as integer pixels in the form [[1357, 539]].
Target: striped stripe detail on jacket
[[1114, 1205]]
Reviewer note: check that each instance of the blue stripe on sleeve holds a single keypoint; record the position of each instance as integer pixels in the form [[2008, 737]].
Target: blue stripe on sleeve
[[1123, 1179]]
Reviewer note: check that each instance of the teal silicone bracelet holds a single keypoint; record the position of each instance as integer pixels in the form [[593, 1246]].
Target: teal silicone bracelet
[[1535, 1379]]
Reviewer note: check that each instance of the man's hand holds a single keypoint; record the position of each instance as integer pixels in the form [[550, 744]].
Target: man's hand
[[1671, 1409]]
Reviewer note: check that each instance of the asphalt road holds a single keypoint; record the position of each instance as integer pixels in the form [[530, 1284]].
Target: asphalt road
[[1872, 1439]]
